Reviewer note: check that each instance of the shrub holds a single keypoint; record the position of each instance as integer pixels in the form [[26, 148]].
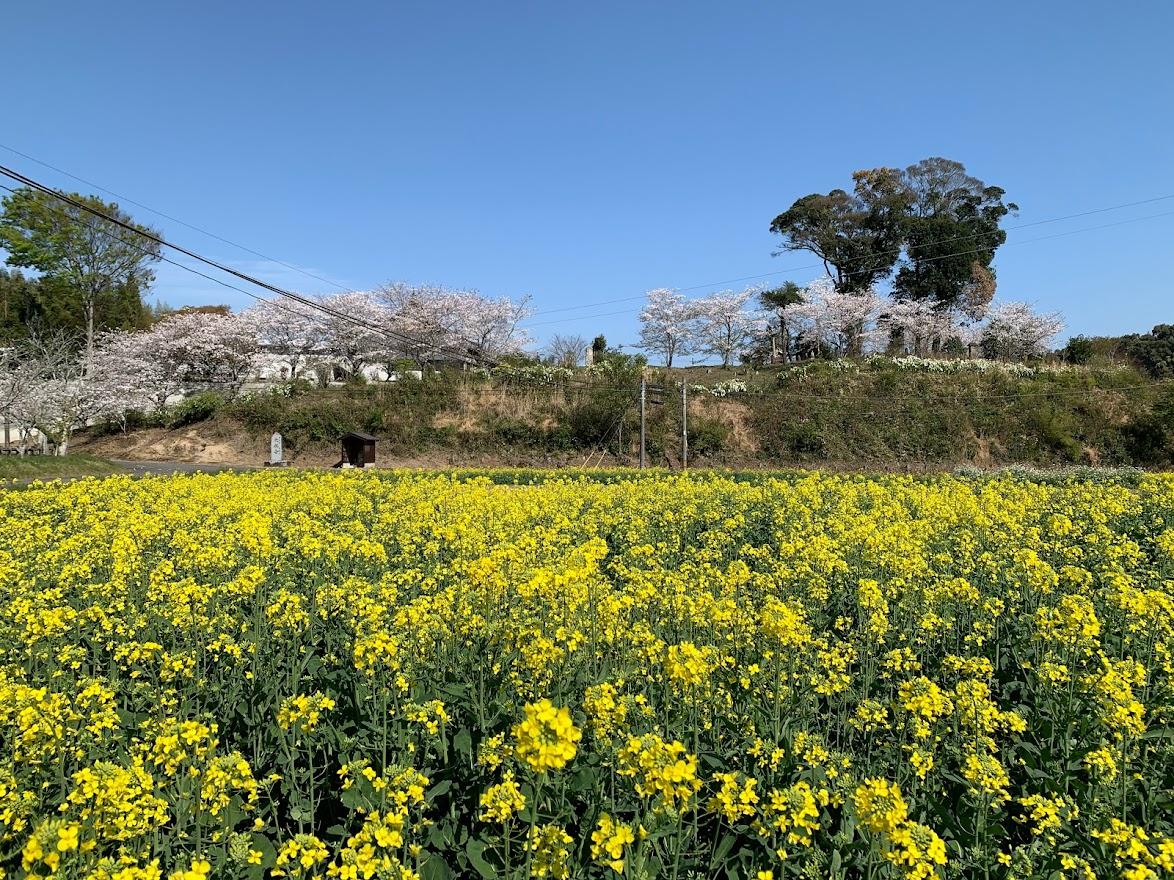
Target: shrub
[[595, 419], [1079, 350], [197, 408], [707, 435]]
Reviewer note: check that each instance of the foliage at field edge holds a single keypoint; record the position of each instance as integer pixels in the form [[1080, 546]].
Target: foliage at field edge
[[355, 675], [879, 412]]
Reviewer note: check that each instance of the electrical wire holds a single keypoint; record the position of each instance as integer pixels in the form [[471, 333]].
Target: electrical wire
[[156, 211], [578, 306], [630, 311], [383, 331]]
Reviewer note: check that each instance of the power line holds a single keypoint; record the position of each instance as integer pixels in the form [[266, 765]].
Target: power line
[[198, 229], [204, 275], [391, 334], [508, 385], [706, 285], [926, 260], [896, 253]]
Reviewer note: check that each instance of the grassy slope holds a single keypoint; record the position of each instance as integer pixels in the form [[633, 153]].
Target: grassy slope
[[885, 414], [871, 415], [51, 467]]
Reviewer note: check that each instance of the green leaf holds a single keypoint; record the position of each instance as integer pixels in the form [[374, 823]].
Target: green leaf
[[475, 850], [435, 868], [352, 797], [463, 742], [586, 779], [721, 851], [440, 836]]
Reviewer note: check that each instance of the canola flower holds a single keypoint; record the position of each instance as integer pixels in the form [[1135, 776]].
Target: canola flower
[[545, 739], [609, 841], [406, 675]]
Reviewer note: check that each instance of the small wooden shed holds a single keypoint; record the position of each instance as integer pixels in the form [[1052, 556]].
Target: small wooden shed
[[358, 449]]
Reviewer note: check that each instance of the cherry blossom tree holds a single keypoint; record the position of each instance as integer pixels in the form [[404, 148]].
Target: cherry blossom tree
[[183, 352], [121, 382], [18, 379], [433, 322], [353, 338], [839, 324], [668, 324], [289, 334], [125, 359], [920, 326], [724, 326], [49, 389], [1015, 331], [491, 325], [423, 319]]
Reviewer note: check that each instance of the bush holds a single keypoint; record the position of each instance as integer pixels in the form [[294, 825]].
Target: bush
[[1153, 351], [197, 408], [1078, 351], [597, 415], [804, 438], [707, 435], [399, 413]]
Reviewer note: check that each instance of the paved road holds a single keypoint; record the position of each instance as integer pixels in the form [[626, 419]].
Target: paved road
[[163, 468]]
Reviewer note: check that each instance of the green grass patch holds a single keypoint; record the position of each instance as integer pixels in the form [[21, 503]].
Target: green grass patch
[[54, 467]]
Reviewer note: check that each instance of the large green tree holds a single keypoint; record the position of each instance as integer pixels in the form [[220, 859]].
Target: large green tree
[[941, 224], [951, 231], [91, 268], [857, 235]]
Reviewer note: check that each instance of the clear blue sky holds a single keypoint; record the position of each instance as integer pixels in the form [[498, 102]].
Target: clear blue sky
[[590, 151]]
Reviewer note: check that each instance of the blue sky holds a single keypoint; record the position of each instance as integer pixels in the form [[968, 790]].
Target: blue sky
[[588, 152]]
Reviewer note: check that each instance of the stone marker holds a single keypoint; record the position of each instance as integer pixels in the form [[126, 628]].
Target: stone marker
[[275, 451]]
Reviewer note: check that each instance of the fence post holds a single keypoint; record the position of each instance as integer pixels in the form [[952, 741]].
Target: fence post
[[643, 399]]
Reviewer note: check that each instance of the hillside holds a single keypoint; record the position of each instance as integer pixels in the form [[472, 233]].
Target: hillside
[[878, 413]]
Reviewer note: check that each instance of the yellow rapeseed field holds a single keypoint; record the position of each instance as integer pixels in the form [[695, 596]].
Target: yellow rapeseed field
[[403, 675]]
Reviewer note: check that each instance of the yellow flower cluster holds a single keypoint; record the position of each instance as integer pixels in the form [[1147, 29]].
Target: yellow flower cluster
[[398, 674], [915, 848], [664, 771], [501, 802], [545, 739], [609, 840], [304, 711]]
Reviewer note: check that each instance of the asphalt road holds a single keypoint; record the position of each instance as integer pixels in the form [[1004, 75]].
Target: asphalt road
[[163, 468]]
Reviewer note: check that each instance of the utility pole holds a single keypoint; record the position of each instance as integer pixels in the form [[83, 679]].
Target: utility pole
[[643, 399], [684, 425]]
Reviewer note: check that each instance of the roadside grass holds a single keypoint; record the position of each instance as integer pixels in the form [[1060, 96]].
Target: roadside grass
[[53, 467]]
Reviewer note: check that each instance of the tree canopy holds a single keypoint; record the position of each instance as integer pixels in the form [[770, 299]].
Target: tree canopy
[[93, 271], [940, 224]]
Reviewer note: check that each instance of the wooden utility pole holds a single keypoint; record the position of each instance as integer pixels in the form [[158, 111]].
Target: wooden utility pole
[[684, 425], [643, 400]]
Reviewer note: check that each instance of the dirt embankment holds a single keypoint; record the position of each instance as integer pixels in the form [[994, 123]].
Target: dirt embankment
[[195, 443], [208, 443]]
